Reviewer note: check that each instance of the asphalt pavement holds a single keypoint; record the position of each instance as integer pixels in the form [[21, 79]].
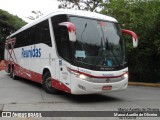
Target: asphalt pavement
[[24, 95]]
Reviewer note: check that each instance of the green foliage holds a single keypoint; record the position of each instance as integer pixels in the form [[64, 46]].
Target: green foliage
[[11, 21], [90, 5], [8, 24], [143, 17]]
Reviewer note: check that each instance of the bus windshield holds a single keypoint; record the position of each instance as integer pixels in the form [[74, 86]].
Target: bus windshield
[[99, 44]]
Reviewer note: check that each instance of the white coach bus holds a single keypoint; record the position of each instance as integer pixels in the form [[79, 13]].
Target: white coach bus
[[74, 51]]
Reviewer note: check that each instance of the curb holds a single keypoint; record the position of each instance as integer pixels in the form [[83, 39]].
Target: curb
[[143, 84]]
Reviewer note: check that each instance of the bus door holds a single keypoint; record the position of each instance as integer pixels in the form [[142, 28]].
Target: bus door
[[63, 45], [64, 74]]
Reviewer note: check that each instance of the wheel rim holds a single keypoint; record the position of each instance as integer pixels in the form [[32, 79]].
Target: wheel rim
[[11, 72], [48, 83]]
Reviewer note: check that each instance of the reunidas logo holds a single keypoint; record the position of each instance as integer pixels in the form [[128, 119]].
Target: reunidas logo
[[32, 53]]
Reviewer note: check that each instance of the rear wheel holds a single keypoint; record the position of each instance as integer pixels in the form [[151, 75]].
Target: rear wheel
[[12, 73], [47, 83]]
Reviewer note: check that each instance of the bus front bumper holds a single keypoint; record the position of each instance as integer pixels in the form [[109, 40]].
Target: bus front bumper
[[80, 86]]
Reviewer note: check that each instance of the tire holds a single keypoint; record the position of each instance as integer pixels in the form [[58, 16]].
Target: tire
[[12, 73], [47, 83]]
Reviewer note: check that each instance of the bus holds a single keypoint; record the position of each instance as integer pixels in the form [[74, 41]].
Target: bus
[[74, 51]]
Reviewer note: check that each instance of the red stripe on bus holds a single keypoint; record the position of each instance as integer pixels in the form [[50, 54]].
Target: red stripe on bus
[[60, 86], [92, 76], [37, 77]]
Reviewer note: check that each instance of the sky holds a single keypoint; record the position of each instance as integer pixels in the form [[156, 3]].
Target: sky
[[23, 8]]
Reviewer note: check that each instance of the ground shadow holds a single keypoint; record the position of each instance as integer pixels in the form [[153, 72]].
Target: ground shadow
[[91, 98], [29, 82]]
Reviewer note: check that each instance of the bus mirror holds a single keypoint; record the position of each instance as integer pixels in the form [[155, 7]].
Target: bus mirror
[[134, 37], [71, 30]]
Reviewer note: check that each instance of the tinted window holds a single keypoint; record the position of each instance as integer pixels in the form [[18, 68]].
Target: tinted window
[[99, 44], [37, 34], [43, 33], [61, 36]]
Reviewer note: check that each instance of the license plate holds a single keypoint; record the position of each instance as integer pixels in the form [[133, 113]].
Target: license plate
[[106, 87]]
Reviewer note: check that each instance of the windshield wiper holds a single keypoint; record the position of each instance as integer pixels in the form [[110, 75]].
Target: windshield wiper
[[109, 47], [83, 31]]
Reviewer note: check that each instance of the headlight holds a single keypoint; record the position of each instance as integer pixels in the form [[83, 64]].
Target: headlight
[[125, 75], [81, 76]]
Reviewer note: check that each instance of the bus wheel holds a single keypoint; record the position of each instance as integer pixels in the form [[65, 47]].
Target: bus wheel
[[47, 83], [12, 73]]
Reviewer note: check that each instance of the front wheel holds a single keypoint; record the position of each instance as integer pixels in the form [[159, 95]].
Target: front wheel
[[47, 83]]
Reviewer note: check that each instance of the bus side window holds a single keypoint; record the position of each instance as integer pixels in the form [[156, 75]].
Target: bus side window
[[43, 33], [31, 33], [19, 40], [61, 36]]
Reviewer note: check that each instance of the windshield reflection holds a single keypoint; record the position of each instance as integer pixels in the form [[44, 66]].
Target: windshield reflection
[[99, 43]]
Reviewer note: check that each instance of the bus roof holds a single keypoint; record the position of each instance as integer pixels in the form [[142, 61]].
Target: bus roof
[[67, 12]]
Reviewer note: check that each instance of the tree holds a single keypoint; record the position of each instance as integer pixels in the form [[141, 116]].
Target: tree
[[141, 16], [36, 15], [89, 5], [8, 24]]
